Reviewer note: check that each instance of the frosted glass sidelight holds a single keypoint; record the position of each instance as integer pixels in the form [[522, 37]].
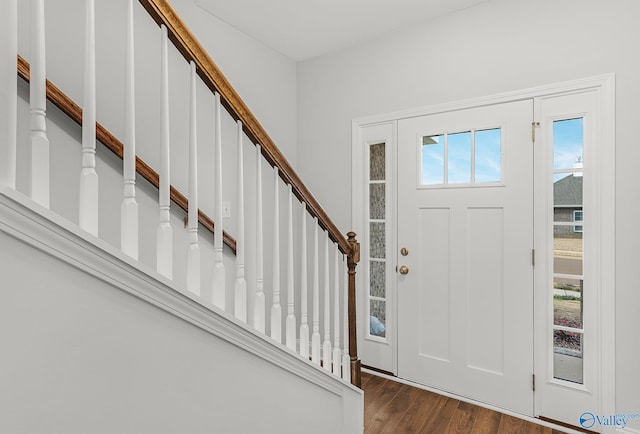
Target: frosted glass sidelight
[[377, 201], [377, 317], [377, 162], [377, 278], [377, 240], [378, 192]]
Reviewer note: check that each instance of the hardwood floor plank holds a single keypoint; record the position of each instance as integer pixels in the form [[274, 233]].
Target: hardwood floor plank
[[394, 407], [463, 418], [418, 412], [487, 422], [398, 408], [511, 425], [534, 428], [374, 411], [373, 389], [364, 380], [442, 416]]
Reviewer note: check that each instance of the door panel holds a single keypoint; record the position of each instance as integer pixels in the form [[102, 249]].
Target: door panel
[[465, 214], [485, 250], [436, 309]]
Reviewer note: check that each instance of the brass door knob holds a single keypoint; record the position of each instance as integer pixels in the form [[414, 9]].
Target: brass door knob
[[403, 269]]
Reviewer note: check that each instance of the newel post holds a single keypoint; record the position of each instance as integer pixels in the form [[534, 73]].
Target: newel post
[[352, 261]]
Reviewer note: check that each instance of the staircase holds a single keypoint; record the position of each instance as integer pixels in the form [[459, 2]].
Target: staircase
[[174, 276]]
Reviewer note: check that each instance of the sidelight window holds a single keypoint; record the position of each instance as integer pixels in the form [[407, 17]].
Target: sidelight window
[[378, 232], [568, 250]]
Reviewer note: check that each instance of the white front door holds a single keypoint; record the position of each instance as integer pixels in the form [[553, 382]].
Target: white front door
[[465, 239]]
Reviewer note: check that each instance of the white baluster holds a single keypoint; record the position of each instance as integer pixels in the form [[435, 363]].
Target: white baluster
[[129, 208], [291, 318], [88, 211], [241, 284], [346, 360], [38, 108], [164, 233], [219, 273], [326, 345], [193, 250], [304, 321], [315, 336], [259, 304], [337, 355], [8, 93], [276, 310]]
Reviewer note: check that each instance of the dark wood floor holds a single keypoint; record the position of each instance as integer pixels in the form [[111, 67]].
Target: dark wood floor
[[392, 407]]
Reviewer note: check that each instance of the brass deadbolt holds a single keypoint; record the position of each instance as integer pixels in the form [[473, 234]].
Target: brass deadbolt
[[404, 251]]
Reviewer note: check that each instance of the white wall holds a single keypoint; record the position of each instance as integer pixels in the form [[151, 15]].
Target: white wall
[[85, 354], [265, 79], [498, 46]]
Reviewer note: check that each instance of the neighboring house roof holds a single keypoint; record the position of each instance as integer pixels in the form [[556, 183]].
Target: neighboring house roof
[[567, 192]]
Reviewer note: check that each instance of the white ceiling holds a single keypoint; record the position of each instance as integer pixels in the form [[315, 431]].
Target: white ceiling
[[302, 29]]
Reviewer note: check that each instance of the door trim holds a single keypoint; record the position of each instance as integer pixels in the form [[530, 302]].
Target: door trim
[[604, 85]]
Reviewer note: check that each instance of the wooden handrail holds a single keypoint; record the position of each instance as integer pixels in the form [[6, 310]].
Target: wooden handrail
[[73, 111], [187, 44]]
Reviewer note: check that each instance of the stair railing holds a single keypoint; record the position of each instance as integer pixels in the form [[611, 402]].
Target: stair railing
[[339, 293]]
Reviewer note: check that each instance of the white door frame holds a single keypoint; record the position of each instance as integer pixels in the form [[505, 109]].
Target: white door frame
[[604, 85]]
